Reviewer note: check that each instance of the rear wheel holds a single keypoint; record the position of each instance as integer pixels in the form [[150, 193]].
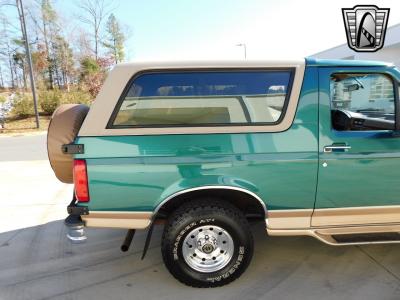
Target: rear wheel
[[207, 243]]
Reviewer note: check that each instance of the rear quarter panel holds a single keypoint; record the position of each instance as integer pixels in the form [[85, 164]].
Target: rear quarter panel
[[136, 173]]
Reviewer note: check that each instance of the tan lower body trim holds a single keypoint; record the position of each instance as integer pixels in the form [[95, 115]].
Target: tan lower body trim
[[356, 216], [289, 219], [331, 217], [114, 219], [325, 234], [322, 224]]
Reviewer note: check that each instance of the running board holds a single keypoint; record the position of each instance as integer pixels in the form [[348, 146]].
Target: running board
[[342, 236], [367, 237]]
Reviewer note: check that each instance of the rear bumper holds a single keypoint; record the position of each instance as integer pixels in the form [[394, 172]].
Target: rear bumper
[[74, 209], [74, 214], [74, 222]]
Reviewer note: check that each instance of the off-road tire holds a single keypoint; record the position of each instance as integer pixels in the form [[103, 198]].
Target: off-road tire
[[197, 214]]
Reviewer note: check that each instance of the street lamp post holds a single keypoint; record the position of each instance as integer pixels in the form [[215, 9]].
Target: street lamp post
[[29, 57], [244, 47]]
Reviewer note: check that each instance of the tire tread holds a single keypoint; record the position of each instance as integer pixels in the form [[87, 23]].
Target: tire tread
[[197, 207]]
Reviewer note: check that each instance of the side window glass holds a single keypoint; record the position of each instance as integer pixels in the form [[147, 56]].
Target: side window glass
[[205, 98], [362, 102]]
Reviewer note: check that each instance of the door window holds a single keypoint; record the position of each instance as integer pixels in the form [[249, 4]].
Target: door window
[[362, 102]]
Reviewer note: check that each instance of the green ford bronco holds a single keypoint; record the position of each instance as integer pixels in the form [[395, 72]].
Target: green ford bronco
[[309, 147]]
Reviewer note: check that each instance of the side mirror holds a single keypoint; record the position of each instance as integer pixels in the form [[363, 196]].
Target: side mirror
[[352, 87]]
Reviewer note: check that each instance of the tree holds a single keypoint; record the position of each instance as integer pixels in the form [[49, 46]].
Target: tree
[[83, 45], [115, 39], [1, 78], [93, 73], [40, 63], [49, 17], [95, 12], [6, 51], [19, 61], [89, 66], [61, 57], [65, 60], [59, 54]]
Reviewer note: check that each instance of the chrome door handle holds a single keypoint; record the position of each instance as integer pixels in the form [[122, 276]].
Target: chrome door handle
[[331, 148]]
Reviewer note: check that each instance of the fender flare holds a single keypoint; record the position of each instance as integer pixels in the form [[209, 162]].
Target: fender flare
[[181, 192], [209, 187]]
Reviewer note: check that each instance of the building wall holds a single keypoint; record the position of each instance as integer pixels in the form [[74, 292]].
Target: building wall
[[390, 52]]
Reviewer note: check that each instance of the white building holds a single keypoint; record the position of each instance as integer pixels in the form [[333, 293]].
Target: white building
[[390, 52]]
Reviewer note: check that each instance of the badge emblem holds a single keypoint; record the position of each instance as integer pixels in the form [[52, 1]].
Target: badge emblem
[[365, 27]]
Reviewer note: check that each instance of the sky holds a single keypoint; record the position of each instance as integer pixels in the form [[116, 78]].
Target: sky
[[206, 29], [211, 29]]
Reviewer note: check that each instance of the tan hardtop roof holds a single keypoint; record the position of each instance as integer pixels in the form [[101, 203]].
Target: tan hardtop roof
[[182, 64], [95, 123]]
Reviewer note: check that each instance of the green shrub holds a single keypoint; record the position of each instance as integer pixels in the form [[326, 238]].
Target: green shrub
[[23, 105], [77, 97], [2, 99], [50, 100]]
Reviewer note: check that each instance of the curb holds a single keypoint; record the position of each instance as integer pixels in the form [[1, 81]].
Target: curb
[[19, 134]]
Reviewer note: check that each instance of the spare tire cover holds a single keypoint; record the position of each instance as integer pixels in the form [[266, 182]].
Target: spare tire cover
[[63, 128]]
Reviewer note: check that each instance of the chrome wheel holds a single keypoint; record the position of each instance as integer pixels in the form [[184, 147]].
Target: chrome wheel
[[208, 248]]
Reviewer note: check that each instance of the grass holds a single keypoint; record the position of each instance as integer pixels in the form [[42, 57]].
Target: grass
[[23, 125]]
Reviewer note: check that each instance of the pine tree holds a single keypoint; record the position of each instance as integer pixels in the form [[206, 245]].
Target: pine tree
[[115, 39]]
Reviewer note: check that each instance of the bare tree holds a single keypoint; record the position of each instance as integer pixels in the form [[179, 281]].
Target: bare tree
[[83, 44], [95, 11], [1, 77], [6, 51], [49, 17]]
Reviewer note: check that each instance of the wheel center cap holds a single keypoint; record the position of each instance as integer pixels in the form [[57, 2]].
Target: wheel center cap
[[207, 248]]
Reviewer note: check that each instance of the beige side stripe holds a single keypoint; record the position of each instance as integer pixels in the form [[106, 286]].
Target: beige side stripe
[[356, 216], [305, 218], [289, 219], [114, 219]]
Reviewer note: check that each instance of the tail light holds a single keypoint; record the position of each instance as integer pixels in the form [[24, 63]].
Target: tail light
[[81, 180]]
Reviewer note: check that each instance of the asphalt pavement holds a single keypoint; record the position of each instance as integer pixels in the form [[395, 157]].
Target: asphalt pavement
[[23, 148], [38, 262]]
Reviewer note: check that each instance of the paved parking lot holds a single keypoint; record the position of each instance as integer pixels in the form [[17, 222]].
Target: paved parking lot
[[37, 262]]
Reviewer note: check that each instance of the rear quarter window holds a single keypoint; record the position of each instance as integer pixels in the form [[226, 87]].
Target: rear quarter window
[[189, 98]]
